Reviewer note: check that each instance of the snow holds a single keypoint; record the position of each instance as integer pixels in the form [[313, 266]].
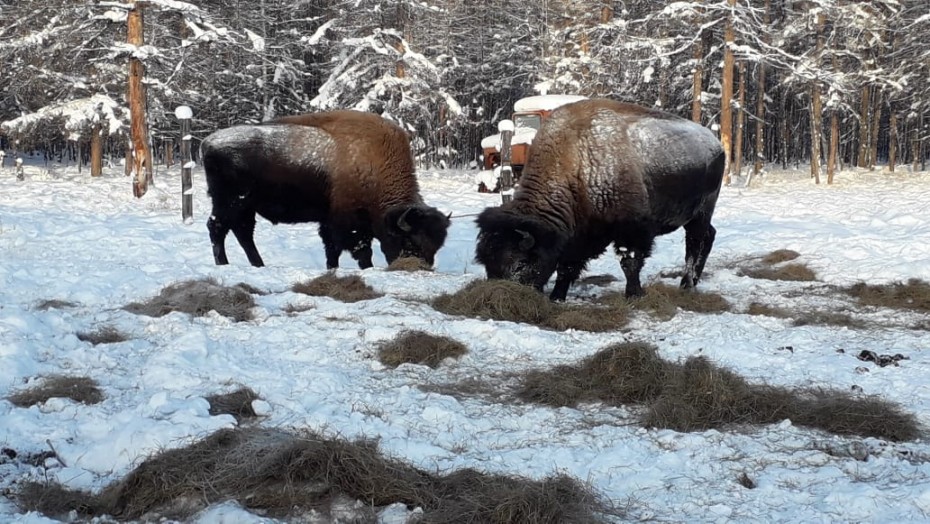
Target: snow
[[544, 102], [79, 116], [68, 237]]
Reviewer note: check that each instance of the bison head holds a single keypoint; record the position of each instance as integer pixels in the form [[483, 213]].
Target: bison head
[[414, 230], [517, 247]]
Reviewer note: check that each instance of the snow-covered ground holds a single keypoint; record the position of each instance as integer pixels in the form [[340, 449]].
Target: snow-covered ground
[[67, 237]]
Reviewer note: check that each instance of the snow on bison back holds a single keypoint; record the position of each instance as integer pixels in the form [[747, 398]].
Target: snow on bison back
[[603, 172], [350, 171]]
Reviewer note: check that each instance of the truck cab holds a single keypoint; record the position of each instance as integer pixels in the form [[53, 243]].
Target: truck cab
[[528, 116]]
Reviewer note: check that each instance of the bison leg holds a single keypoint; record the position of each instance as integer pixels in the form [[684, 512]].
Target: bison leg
[[218, 232], [699, 239], [245, 232], [631, 262], [565, 275], [361, 252], [332, 249]]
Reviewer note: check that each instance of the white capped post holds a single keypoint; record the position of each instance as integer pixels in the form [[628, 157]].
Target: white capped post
[[184, 115]]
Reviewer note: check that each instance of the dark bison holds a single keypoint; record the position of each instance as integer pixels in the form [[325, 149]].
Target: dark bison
[[603, 171], [352, 172]]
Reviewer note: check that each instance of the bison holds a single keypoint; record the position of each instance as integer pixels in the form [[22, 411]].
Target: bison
[[603, 171], [350, 171]]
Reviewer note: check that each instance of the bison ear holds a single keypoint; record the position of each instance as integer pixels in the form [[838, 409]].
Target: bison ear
[[526, 240], [402, 221]]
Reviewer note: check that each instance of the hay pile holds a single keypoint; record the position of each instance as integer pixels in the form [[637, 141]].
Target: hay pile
[[419, 347], [103, 335], [350, 288], [237, 403], [286, 475], [775, 266], [198, 297], [663, 301], [409, 264], [913, 295], [79, 389], [698, 395], [509, 301]]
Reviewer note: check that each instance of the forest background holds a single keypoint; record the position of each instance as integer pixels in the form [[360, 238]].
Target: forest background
[[824, 83]]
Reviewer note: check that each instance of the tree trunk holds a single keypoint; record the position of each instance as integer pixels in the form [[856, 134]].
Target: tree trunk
[[698, 80], [876, 120], [740, 116], [760, 103], [817, 108], [141, 154], [96, 151], [169, 152], [915, 145], [892, 139], [726, 111], [783, 129], [864, 122], [834, 145]]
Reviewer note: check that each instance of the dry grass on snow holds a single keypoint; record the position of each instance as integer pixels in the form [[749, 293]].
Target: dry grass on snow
[[198, 297], [775, 266], [913, 295], [409, 264], [805, 317], [286, 475], [699, 395], [45, 305], [509, 301], [350, 288], [237, 403], [79, 389], [419, 347], [103, 335]]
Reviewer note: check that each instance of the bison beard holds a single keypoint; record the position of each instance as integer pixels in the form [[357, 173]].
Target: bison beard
[[603, 172], [352, 172]]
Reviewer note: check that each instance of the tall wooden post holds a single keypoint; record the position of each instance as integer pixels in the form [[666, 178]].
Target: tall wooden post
[[726, 110], [506, 128], [141, 154], [96, 151], [184, 115]]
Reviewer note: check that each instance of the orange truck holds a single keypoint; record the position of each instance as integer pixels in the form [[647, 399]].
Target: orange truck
[[528, 115]]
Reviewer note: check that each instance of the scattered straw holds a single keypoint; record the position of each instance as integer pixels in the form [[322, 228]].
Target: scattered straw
[[283, 474], [913, 295], [104, 335], [45, 305], [409, 264], [698, 395], [350, 288], [237, 403], [497, 300], [197, 297], [509, 301], [78, 389], [418, 347], [790, 272], [663, 301], [619, 374], [780, 255]]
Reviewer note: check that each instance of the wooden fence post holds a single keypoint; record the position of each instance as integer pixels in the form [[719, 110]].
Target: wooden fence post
[[20, 174], [184, 115]]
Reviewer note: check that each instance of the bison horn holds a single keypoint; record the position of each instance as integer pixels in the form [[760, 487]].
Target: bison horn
[[526, 241], [402, 221]]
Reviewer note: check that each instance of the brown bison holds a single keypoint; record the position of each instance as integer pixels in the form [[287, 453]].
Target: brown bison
[[352, 172], [604, 172]]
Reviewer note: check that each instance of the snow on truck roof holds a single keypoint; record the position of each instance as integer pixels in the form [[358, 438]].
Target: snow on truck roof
[[545, 102]]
